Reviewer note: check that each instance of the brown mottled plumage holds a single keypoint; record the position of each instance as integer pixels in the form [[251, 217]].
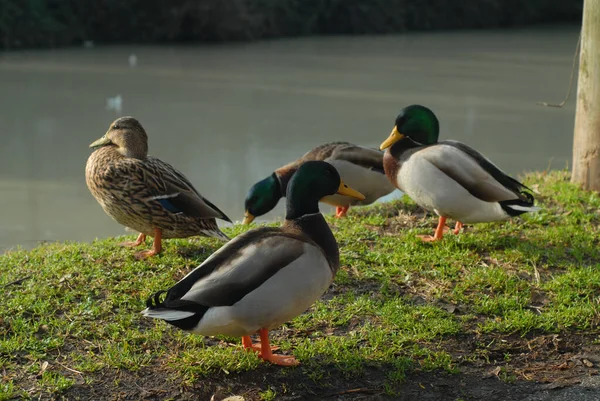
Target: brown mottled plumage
[[145, 193]]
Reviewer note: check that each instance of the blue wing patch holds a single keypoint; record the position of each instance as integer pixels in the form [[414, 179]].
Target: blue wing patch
[[166, 203]]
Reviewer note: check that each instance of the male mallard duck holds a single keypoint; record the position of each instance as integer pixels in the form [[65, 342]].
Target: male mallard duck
[[145, 193], [264, 277], [359, 167], [449, 177]]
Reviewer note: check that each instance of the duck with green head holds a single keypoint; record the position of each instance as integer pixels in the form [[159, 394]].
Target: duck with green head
[[264, 277], [359, 167], [143, 192], [448, 177]]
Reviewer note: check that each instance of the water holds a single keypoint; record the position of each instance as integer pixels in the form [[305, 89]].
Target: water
[[229, 115]]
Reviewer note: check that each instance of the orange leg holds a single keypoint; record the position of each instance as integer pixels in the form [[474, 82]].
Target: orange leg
[[139, 241], [439, 231], [249, 345], [457, 227], [156, 246], [267, 354], [340, 211], [247, 342]]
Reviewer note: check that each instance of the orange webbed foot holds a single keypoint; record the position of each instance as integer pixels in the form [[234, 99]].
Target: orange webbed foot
[[429, 238], [145, 254], [281, 360], [156, 246], [129, 244], [439, 231], [267, 354], [457, 227], [139, 241], [256, 347]]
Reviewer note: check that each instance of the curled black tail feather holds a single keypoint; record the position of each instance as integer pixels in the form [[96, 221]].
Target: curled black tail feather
[[154, 301], [527, 202]]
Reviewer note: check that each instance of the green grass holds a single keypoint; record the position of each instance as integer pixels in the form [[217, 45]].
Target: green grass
[[397, 305]]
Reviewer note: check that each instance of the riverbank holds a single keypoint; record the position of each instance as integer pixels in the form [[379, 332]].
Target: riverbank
[[505, 309], [47, 23]]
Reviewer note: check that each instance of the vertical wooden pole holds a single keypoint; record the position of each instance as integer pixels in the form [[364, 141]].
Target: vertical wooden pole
[[586, 141]]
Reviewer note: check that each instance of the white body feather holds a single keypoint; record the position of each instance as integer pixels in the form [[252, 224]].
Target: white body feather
[[285, 295], [281, 297], [372, 184], [429, 186]]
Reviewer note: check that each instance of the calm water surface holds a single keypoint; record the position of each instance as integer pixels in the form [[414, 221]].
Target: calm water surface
[[229, 115]]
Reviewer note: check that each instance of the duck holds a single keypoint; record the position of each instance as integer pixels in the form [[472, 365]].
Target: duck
[[144, 193], [265, 276], [359, 166], [449, 177]]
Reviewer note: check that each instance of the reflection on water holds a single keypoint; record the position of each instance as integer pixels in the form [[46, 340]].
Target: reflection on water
[[229, 115]]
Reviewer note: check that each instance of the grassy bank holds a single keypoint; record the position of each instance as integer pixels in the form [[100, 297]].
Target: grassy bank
[[515, 301], [49, 23]]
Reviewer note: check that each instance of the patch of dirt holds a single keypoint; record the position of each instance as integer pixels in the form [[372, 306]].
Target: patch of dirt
[[491, 368], [543, 359], [148, 385]]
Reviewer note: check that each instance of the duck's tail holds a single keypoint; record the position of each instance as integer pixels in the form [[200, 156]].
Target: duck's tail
[[524, 204], [209, 228], [166, 314], [156, 309], [217, 234]]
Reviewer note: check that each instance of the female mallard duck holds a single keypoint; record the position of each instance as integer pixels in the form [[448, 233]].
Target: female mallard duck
[[449, 177], [145, 193], [359, 167], [264, 277]]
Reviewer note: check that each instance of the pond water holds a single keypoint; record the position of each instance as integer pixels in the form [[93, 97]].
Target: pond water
[[228, 115]]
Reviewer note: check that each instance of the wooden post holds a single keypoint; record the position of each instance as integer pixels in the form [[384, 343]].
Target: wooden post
[[586, 142]]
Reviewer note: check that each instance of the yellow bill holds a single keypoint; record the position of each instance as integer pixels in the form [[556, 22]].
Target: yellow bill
[[346, 190], [100, 142], [394, 137], [248, 218]]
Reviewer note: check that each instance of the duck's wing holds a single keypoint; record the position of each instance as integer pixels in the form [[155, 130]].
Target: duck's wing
[[177, 194], [473, 171], [321, 152], [368, 158], [235, 270]]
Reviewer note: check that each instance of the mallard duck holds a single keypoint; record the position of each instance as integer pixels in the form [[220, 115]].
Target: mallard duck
[[144, 193], [264, 277], [449, 178], [359, 167]]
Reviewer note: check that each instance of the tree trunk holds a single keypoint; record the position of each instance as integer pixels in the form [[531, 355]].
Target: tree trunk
[[586, 143]]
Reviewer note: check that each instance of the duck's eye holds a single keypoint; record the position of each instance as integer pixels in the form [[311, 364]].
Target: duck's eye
[[116, 127]]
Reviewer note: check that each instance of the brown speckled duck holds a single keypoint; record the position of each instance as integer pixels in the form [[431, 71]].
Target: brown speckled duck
[[359, 167], [144, 193]]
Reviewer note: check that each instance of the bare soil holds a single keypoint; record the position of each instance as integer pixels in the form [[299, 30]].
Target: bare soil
[[491, 368]]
